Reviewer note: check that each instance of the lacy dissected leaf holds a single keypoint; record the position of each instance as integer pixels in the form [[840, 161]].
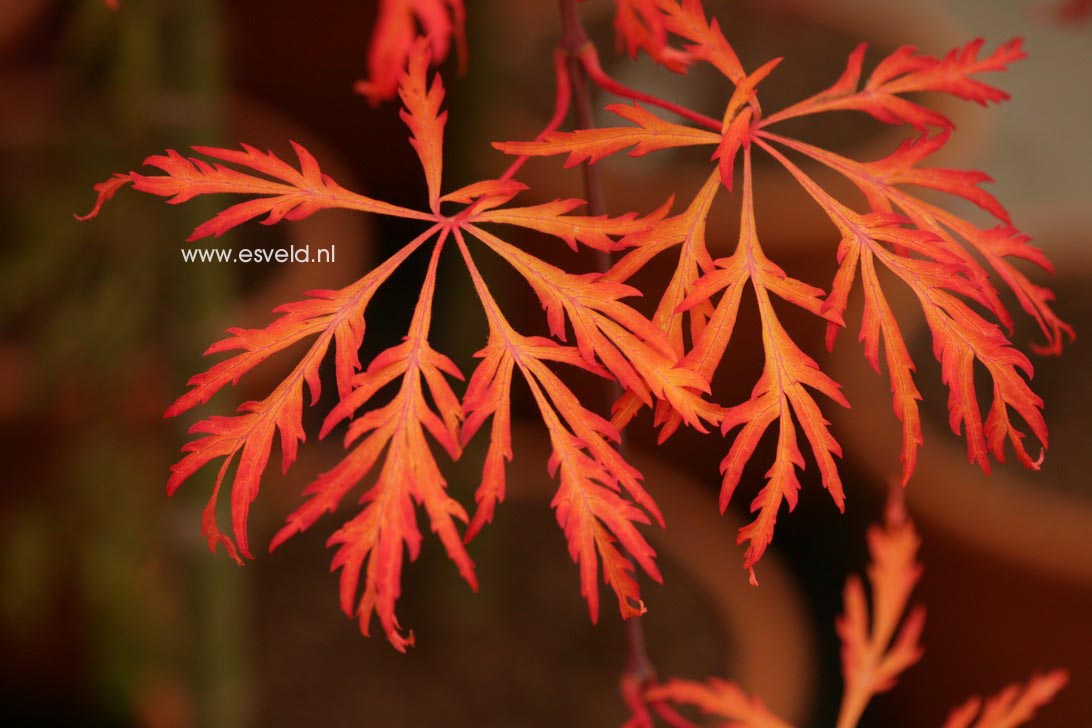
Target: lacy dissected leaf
[[716, 698], [398, 27], [600, 501], [641, 26], [907, 71], [1013, 706], [706, 41], [1000, 246], [422, 114], [607, 331], [948, 262], [591, 503], [686, 230], [782, 391], [374, 540], [878, 644], [880, 640], [650, 134], [282, 193], [330, 317], [938, 271]]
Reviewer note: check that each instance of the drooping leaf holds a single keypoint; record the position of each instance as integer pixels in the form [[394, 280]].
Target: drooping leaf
[[686, 230], [780, 394], [600, 501], [942, 283], [595, 481], [946, 260], [374, 541], [330, 317]]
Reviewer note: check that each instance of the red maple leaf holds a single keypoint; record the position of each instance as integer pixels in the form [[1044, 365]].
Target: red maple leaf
[[600, 499], [948, 261]]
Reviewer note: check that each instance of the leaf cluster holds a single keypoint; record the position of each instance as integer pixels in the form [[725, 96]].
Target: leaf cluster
[[953, 266]]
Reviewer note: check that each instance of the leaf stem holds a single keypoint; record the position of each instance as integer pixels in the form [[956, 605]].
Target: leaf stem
[[574, 40], [590, 60], [854, 702], [575, 45]]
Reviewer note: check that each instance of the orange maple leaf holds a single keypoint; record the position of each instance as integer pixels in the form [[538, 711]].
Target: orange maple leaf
[[908, 71], [600, 499], [640, 25], [935, 252]]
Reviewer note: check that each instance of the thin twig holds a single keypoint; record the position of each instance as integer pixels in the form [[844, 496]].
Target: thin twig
[[590, 60], [575, 44]]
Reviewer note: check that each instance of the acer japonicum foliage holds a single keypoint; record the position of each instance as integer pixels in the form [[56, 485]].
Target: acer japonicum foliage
[[954, 267]]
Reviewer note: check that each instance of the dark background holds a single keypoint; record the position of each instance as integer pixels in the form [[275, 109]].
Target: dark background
[[113, 613]]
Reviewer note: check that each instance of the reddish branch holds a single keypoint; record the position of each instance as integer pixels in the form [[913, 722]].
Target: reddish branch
[[577, 50]]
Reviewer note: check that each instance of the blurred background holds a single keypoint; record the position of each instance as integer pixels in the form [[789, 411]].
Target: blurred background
[[112, 611]]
